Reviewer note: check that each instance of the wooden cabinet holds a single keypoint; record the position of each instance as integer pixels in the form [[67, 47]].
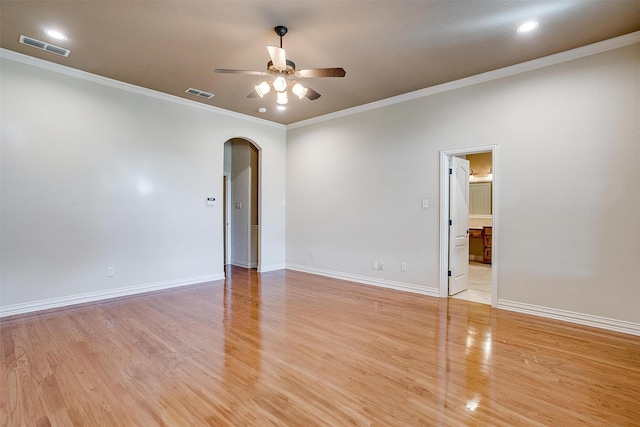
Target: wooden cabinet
[[487, 235], [475, 233]]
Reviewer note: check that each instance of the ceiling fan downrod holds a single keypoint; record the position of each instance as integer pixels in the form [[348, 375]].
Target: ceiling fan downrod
[[281, 30]]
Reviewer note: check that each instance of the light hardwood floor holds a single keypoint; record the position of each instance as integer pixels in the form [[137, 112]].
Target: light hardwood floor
[[288, 348]]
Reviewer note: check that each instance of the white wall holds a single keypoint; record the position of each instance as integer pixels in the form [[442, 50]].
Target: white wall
[[97, 174], [93, 175], [569, 149]]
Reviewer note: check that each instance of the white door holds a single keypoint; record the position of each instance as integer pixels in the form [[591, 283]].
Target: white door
[[458, 225]]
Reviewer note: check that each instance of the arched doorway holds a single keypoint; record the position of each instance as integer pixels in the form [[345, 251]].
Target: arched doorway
[[241, 203]]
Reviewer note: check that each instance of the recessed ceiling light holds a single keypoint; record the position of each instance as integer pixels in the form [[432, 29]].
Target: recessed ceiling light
[[528, 26], [262, 110], [55, 34], [281, 107]]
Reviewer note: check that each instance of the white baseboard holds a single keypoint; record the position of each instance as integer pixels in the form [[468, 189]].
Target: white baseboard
[[400, 286], [272, 267], [551, 313], [243, 264], [571, 316], [29, 307], [260, 268]]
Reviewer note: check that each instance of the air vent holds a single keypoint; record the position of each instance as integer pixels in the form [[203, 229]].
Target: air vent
[[201, 93], [44, 46]]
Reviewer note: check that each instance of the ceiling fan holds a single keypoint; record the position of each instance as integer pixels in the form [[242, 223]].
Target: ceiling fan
[[285, 72]]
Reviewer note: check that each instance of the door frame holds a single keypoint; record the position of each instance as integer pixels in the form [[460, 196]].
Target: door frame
[[226, 217], [445, 155], [228, 208]]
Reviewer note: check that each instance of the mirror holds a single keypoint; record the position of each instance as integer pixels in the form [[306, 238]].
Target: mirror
[[480, 198]]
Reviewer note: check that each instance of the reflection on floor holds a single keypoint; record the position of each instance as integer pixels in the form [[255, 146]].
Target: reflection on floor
[[479, 284]]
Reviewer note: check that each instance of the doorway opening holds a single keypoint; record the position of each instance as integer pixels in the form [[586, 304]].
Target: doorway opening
[[241, 185], [477, 269]]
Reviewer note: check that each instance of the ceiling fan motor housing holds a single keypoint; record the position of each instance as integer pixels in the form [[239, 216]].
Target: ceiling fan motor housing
[[291, 68], [281, 30]]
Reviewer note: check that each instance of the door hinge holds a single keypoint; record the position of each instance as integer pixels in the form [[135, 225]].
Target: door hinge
[[449, 273], [450, 171], [450, 223]]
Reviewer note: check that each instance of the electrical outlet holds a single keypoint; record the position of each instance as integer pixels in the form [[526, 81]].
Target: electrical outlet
[[109, 271], [374, 265], [403, 266]]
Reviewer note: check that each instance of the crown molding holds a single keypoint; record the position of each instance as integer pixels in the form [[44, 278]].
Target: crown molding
[[94, 78], [511, 70], [535, 64]]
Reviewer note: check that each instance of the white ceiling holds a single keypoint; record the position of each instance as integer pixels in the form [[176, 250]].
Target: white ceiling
[[386, 47]]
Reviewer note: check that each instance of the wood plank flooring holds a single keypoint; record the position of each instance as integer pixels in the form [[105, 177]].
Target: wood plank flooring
[[291, 349]]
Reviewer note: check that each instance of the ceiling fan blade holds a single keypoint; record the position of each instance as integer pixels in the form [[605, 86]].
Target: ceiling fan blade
[[321, 72], [249, 72], [278, 57], [312, 94]]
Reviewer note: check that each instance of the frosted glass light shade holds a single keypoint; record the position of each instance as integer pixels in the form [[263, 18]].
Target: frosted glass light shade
[[280, 84], [262, 89], [299, 90], [281, 98]]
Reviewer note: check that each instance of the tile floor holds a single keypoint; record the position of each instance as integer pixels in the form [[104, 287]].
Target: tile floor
[[479, 284]]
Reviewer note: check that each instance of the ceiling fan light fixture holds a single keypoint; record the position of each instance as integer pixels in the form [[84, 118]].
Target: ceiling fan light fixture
[[284, 75], [299, 90], [281, 98], [262, 89], [280, 84]]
